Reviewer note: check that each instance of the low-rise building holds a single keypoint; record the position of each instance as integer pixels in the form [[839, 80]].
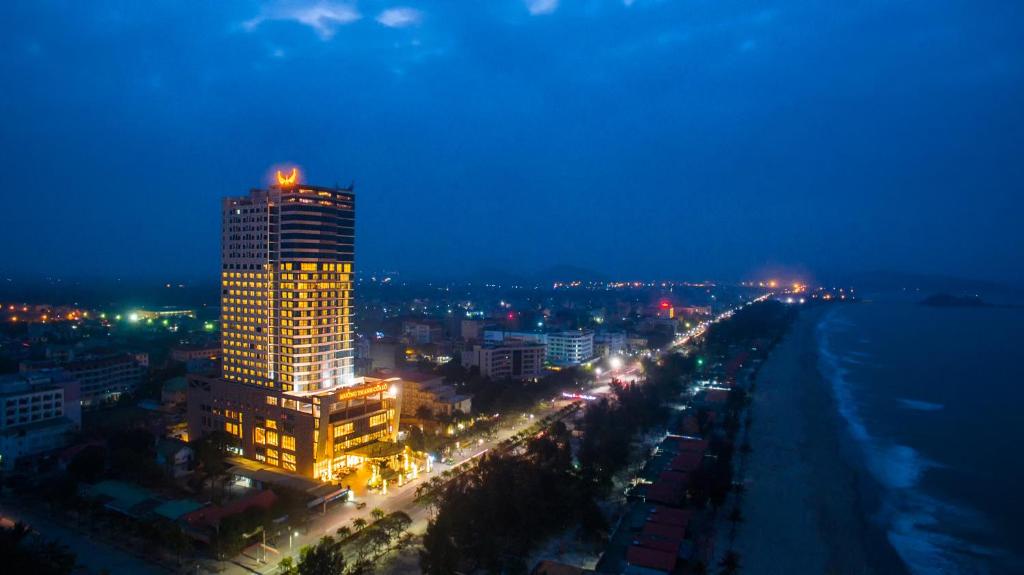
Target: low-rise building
[[186, 353], [174, 391], [175, 456], [431, 392], [472, 329], [609, 343], [103, 377], [420, 332], [163, 313], [38, 413], [384, 353], [314, 433], [501, 336], [512, 360]]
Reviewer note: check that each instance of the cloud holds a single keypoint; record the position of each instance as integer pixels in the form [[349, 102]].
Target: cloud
[[323, 17], [537, 7], [400, 17]]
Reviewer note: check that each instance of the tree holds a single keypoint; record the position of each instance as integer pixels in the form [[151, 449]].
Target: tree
[[377, 513], [395, 523], [358, 523], [23, 553], [324, 558], [344, 531], [287, 567], [89, 464], [730, 563]]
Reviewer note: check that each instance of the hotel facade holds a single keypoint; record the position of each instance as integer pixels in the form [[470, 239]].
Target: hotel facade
[[287, 390]]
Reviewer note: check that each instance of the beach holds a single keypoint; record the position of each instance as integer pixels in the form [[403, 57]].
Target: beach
[[807, 498]]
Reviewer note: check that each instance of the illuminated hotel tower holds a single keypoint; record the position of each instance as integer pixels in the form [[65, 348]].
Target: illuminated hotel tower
[[286, 289], [287, 389]]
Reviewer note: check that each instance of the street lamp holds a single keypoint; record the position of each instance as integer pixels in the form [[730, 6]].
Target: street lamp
[[294, 534]]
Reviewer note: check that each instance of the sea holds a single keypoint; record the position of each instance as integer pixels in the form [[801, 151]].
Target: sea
[[932, 402]]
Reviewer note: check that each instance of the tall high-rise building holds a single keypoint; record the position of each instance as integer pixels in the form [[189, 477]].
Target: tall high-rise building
[[287, 388], [286, 289]]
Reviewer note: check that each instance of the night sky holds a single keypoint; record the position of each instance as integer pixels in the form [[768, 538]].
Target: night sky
[[680, 139]]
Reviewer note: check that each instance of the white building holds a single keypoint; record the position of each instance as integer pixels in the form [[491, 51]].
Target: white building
[[609, 343], [38, 413], [419, 332], [510, 360], [562, 348], [570, 347]]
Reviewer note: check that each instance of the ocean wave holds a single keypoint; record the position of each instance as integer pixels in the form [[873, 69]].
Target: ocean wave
[[919, 405], [912, 519], [916, 529]]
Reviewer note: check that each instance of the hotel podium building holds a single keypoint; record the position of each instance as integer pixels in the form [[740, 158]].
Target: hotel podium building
[[287, 389]]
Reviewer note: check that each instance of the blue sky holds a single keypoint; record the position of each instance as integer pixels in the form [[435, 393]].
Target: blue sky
[[678, 139]]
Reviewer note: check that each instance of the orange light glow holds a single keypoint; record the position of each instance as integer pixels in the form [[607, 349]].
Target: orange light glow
[[290, 179]]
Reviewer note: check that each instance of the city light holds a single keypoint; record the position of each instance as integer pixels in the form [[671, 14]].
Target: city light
[[615, 363]]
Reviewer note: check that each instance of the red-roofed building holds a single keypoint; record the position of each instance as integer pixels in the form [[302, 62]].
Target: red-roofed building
[[657, 543], [688, 461], [665, 493], [665, 532], [669, 516], [683, 443], [211, 515], [716, 395], [651, 558]]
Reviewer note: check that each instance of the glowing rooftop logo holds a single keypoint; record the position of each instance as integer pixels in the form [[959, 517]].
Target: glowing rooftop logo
[[290, 179]]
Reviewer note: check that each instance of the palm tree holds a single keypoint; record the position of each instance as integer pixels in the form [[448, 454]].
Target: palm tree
[[358, 523], [377, 513], [343, 532]]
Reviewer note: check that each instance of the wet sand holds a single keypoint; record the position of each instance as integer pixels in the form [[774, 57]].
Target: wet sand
[[804, 507]]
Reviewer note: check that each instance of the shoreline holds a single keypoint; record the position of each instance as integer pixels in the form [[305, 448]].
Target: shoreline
[[808, 498]]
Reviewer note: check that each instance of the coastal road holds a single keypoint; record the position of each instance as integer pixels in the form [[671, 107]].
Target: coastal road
[[398, 498]]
